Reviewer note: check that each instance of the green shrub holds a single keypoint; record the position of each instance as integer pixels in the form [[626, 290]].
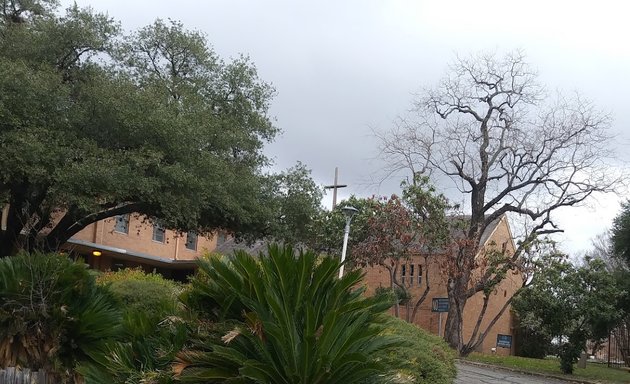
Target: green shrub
[[52, 314], [153, 330], [425, 359], [134, 274], [398, 294], [284, 318], [147, 293], [569, 351], [532, 343]]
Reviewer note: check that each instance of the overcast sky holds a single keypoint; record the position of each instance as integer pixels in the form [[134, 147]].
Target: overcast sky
[[342, 68]]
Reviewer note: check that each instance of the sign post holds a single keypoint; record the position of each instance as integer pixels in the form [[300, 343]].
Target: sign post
[[440, 305], [504, 341]]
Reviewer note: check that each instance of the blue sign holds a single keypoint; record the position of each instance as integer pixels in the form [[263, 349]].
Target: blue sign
[[504, 341], [440, 304]]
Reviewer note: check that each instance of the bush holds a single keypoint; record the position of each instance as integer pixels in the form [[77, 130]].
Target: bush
[[52, 314], [425, 359], [153, 329], [284, 318], [569, 351], [531, 343], [141, 292], [398, 294]]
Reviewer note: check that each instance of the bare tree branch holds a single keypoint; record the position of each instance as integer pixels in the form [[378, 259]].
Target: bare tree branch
[[511, 148]]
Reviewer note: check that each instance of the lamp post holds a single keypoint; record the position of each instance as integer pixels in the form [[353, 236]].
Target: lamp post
[[349, 212]]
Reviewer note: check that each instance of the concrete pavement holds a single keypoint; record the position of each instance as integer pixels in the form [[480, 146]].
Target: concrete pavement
[[474, 374]]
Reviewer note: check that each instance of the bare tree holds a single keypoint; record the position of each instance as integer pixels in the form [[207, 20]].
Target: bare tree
[[491, 129]]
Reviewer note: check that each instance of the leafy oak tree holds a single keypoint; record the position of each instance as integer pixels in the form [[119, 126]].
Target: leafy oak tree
[[490, 128], [95, 124], [297, 205]]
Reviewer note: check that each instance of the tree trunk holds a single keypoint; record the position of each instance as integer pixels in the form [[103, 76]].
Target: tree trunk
[[454, 322], [425, 293], [9, 238], [392, 273]]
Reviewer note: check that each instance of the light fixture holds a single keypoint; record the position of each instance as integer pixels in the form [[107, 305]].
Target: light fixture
[[96, 253], [349, 212]]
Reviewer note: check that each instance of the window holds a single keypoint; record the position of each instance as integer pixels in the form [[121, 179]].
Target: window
[[403, 271], [191, 241], [122, 224], [419, 274], [411, 268], [159, 233]]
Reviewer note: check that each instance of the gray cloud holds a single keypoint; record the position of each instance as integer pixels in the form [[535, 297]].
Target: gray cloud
[[343, 67]]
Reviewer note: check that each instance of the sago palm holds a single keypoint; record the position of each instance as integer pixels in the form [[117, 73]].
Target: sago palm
[[52, 314], [286, 318]]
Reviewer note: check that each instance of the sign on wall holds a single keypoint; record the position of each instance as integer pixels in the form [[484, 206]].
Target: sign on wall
[[440, 304], [504, 341]]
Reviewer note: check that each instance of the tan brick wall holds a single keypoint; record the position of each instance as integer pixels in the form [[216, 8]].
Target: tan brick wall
[[425, 318], [140, 239]]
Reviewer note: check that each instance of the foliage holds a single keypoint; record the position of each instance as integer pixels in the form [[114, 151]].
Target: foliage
[[144, 354], [328, 226], [147, 293], [612, 249], [398, 295], [400, 228], [621, 331], [425, 359], [153, 330], [620, 234], [489, 127], [532, 343], [297, 203], [286, 318], [16, 11], [96, 124], [386, 292], [388, 231], [52, 314], [617, 258], [573, 304]]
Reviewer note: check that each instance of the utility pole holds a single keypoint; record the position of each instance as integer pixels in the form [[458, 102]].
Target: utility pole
[[335, 187]]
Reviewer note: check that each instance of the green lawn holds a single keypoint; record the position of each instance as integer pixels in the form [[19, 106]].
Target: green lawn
[[593, 371]]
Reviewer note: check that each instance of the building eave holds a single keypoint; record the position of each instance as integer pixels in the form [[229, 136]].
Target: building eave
[[129, 255]]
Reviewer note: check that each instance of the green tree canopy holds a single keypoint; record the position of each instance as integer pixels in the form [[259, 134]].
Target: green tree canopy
[[95, 124], [572, 303], [620, 234]]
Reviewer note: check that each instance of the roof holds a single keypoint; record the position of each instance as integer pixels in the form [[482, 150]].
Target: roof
[[126, 254], [229, 246], [487, 232]]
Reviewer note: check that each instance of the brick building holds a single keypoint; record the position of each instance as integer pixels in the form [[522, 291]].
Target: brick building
[[413, 274], [131, 241]]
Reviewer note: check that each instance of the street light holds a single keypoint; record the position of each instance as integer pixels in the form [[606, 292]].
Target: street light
[[349, 212]]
